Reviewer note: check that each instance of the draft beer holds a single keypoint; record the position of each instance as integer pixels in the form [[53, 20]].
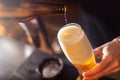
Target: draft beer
[[76, 46]]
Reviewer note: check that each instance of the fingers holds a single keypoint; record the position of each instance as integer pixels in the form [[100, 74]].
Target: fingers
[[102, 65], [113, 67], [114, 70]]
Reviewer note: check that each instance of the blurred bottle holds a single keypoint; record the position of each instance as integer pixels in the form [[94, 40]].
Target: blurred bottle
[[28, 9]]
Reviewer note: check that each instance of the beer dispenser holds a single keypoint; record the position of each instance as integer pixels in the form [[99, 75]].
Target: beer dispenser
[[15, 17]]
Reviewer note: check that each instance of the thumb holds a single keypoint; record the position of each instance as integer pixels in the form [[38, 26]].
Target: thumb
[[98, 52]]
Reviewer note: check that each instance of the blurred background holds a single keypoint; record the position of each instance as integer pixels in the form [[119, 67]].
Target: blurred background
[[38, 28]]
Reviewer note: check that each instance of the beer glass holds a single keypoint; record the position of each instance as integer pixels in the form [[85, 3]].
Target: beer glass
[[76, 46]]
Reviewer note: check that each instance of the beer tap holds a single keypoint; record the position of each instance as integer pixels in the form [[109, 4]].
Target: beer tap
[[21, 12], [28, 9]]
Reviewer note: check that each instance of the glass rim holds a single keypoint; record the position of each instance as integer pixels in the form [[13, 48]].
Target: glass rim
[[67, 25]]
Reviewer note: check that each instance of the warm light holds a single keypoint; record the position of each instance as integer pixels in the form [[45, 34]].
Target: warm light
[[2, 30]]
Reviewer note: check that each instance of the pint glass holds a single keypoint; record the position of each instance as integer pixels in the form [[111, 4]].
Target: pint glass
[[76, 46]]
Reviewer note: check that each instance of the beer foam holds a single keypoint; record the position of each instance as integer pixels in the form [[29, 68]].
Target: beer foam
[[69, 34]]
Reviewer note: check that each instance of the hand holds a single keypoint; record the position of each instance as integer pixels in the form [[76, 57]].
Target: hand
[[109, 54]]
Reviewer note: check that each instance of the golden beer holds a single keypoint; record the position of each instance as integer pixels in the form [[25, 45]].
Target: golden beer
[[76, 47]]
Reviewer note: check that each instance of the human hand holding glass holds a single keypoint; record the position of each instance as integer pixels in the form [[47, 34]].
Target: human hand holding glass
[[76, 47], [110, 60]]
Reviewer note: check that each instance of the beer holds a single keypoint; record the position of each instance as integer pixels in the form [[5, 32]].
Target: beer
[[89, 64], [76, 47]]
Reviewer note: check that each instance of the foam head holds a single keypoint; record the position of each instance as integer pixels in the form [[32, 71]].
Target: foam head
[[69, 33]]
